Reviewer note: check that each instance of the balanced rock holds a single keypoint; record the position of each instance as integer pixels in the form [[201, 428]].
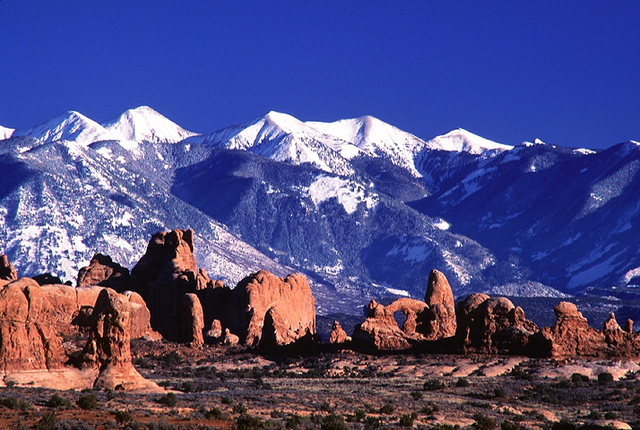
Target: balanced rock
[[102, 270], [441, 314], [493, 325], [108, 347], [338, 335], [267, 310]]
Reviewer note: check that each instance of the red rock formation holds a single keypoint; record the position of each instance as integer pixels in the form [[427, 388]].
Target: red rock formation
[[267, 310], [165, 273], [572, 335], [381, 330], [27, 340], [230, 339], [441, 315], [108, 346], [102, 270], [192, 322], [338, 335], [493, 325]]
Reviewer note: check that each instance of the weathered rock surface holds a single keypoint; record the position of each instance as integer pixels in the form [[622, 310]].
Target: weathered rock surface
[[381, 331], [108, 347], [230, 339], [573, 336], [267, 310], [47, 279], [165, 273], [192, 322], [263, 309], [338, 335], [441, 314], [493, 325], [103, 271], [7, 271], [27, 340]]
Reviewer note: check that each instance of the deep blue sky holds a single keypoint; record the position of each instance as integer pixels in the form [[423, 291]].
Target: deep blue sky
[[567, 72]]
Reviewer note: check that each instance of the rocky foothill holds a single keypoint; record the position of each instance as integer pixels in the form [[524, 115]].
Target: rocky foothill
[[78, 337]]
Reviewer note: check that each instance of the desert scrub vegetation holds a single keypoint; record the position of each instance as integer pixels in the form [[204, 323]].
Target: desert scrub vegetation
[[168, 399], [13, 403], [87, 401], [58, 402]]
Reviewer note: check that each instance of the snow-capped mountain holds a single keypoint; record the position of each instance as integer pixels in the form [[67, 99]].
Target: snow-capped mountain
[[143, 124], [282, 137], [363, 208], [460, 140], [72, 126], [5, 132]]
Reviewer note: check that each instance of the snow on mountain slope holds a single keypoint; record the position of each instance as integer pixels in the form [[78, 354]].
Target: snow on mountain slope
[[463, 140], [143, 124], [5, 132], [282, 137], [55, 215], [71, 126], [376, 137], [400, 147]]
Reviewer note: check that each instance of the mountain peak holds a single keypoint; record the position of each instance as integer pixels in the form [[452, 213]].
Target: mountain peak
[[460, 140], [145, 124], [5, 132], [71, 125]]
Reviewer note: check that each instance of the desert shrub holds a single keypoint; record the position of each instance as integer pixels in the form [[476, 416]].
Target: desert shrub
[[249, 422], [211, 414], [326, 406], [432, 385], [360, 415], [387, 409], [610, 415], [407, 420], [373, 423], [499, 393], [510, 425], [462, 382], [594, 415], [13, 403], [333, 421], [48, 421], [239, 408], [605, 378], [445, 427], [483, 422], [123, 417], [578, 378], [430, 408], [171, 359], [88, 401], [56, 401], [293, 421], [226, 400], [416, 395], [168, 399], [564, 424]]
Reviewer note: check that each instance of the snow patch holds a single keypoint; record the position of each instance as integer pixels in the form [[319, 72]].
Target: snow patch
[[348, 193]]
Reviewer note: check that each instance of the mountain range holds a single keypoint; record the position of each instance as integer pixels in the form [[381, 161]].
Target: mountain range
[[363, 208]]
